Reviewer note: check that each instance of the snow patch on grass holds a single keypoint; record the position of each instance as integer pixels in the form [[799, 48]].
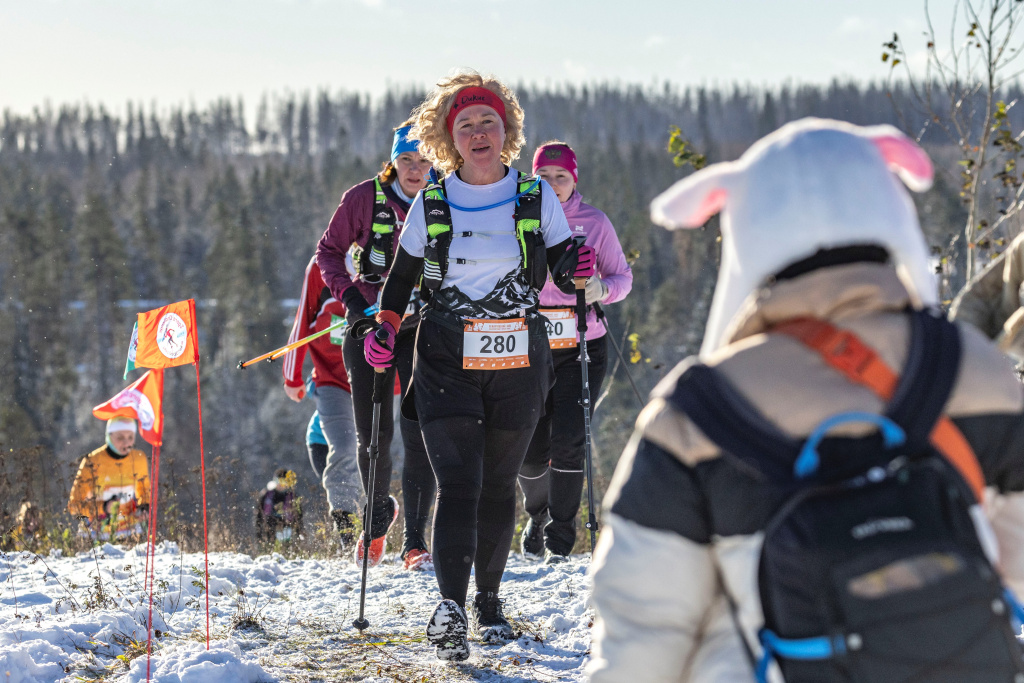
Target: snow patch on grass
[[193, 663], [271, 619]]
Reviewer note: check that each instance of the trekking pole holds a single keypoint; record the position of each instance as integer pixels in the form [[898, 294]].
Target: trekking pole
[[378, 397], [277, 353], [581, 327], [600, 315]]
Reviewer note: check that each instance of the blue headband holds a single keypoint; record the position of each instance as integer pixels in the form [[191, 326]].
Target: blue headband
[[402, 142]]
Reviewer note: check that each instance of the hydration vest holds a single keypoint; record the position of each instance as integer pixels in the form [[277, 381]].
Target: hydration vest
[[373, 260], [873, 567], [526, 215]]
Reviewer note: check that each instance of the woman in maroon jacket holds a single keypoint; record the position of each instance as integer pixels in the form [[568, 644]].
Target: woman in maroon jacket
[[362, 237]]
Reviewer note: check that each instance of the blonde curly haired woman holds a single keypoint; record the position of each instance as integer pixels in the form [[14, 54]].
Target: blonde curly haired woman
[[485, 237]]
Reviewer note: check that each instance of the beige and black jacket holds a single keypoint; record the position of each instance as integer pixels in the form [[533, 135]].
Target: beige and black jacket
[[662, 614]]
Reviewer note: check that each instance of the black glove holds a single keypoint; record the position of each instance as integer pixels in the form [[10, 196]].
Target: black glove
[[565, 257], [355, 305]]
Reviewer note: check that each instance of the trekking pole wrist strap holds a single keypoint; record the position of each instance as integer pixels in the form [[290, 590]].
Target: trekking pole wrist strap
[[389, 317]]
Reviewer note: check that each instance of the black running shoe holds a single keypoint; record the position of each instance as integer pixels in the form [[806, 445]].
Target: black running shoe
[[489, 622], [551, 557], [533, 537], [413, 541], [447, 631], [345, 527]]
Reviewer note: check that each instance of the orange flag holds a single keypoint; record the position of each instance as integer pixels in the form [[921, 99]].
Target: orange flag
[[168, 336], [141, 400]]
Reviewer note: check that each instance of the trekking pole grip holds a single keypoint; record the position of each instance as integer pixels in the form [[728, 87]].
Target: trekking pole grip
[[378, 382], [579, 282], [581, 306]]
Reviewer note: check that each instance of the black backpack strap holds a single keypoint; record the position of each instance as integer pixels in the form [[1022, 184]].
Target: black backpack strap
[[378, 253], [527, 217], [734, 424], [438, 218], [928, 378]]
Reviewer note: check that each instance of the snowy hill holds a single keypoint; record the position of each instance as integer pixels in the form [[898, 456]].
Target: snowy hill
[[83, 618]]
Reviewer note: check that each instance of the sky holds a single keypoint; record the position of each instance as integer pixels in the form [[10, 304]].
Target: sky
[[175, 52]]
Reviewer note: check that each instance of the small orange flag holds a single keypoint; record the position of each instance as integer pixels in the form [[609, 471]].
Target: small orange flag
[[141, 400], [168, 336]]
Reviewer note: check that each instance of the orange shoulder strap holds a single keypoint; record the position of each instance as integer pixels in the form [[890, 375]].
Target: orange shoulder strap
[[845, 352]]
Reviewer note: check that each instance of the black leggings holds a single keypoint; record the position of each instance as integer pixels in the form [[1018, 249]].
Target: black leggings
[[318, 458], [477, 426], [552, 473], [418, 484], [417, 477]]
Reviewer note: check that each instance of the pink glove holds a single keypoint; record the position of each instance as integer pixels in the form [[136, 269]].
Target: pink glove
[[379, 354], [587, 257]]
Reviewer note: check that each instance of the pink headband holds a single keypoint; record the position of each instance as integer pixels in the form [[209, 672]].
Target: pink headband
[[556, 155], [475, 94]]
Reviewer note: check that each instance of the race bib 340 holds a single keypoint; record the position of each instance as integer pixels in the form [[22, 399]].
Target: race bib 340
[[561, 325]]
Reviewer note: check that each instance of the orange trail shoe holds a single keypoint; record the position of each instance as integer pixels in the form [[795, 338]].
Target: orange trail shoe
[[418, 560], [377, 544]]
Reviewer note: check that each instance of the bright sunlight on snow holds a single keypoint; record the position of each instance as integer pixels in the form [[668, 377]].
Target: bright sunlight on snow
[[273, 619]]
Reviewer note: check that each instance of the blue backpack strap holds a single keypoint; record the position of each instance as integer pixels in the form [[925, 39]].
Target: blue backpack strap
[[733, 423], [805, 649]]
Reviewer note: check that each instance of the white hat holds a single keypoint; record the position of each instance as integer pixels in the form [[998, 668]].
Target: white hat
[[813, 184], [120, 424]]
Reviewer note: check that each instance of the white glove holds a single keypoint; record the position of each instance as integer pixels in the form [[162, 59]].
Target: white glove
[[1011, 338], [596, 290]]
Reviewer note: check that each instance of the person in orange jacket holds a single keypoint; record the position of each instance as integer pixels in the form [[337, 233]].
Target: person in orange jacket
[[111, 489]]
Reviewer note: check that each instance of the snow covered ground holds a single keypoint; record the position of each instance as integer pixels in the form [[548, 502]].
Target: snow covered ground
[[273, 619]]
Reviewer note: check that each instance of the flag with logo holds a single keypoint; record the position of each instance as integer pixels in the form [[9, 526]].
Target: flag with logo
[[141, 400], [167, 336], [129, 364]]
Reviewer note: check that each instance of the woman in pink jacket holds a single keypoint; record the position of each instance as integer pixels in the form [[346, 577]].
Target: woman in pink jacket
[[552, 474]]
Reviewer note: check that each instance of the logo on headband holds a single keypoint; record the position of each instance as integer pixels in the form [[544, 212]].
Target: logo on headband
[[467, 100], [552, 152]]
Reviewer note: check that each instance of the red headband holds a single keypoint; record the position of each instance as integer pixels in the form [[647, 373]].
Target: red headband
[[475, 94]]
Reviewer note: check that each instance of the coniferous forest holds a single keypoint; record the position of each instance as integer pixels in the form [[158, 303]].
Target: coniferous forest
[[106, 212]]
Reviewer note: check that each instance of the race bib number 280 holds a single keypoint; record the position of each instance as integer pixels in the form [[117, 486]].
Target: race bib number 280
[[495, 344]]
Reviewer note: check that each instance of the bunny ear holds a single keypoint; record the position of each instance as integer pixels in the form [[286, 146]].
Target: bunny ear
[[903, 156], [693, 200]]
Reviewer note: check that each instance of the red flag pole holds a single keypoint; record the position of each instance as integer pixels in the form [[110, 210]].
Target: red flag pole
[[154, 481], [149, 527], [206, 533], [149, 545]]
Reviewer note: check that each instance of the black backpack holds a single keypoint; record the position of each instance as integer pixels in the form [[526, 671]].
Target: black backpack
[[871, 570]]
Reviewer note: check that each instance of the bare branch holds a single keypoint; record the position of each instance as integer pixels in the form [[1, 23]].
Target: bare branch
[[1011, 212]]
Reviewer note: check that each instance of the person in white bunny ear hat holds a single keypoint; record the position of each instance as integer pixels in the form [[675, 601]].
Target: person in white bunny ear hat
[[821, 342]]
